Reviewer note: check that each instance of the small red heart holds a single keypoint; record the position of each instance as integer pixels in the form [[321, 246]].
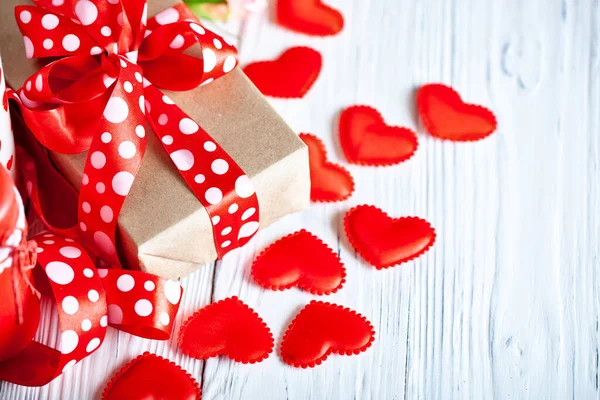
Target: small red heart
[[367, 140], [9, 164], [152, 377], [321, 329], [446, 116], [300, 259], [328, 181], [384, 241], [227, 327], [290, 76], [309, 16]]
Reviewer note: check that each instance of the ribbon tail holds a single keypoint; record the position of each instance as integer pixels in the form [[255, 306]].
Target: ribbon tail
[[18, 293]]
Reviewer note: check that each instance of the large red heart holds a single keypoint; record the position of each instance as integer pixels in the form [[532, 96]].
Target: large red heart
[[227, 327], [384, 241], [309, 16], [446, 116], [300, 259], [367, 140], [290, 76], [321, 329], [328, 181], [152, 377]]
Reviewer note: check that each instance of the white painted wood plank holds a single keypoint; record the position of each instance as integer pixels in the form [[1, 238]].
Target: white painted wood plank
[[506, 304]]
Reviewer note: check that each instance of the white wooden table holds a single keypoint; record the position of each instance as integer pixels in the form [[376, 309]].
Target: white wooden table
[[506, 304]]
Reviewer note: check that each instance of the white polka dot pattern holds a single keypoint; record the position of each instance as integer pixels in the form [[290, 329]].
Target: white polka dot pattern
[[79, 294], [136, 299]]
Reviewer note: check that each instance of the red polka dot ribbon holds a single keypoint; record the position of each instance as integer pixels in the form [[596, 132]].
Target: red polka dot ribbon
[[87, 299], [98, 96]]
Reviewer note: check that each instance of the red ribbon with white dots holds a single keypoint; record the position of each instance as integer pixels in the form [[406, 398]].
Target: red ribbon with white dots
[[88, 300], [101, 91]]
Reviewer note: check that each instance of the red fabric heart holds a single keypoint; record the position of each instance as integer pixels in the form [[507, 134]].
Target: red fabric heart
[[385, 242], [152, 377], [309, 16], [367, 140], [329, 182], [300, 259], [290, 76], [446, 116], [227, 327], [321, 329]]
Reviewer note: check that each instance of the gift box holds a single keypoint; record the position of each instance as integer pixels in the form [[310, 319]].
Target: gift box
[[163, 226]]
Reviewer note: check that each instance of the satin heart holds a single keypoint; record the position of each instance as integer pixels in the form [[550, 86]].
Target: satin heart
[[309, 16], [385, 242], [328, 181], [321, 329], [290, 76], [367, 140], [446, 116], [227, 327], [152, 377], [300, 259]]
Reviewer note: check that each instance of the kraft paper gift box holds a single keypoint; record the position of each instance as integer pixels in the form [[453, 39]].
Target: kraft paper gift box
[[163, 228]]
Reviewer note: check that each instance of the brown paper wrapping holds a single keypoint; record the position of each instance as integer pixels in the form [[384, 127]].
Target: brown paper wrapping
[[163, 228]]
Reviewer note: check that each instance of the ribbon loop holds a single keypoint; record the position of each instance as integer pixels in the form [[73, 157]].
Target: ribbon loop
[[47, 34], [172, 61]]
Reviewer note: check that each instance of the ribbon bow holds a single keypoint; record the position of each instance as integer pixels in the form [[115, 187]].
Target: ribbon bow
[[99, 95], [88, 299]]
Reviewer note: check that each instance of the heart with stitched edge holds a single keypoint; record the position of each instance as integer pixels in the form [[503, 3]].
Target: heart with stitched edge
[[290, 76], [446, 116], [321, 329], [328, 182], [227, 327], [300, 259], [152, 377], [311, 17], [384, 241], [367, 140]]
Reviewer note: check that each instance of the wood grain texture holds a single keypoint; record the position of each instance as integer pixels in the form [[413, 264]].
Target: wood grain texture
[[506, 304]]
